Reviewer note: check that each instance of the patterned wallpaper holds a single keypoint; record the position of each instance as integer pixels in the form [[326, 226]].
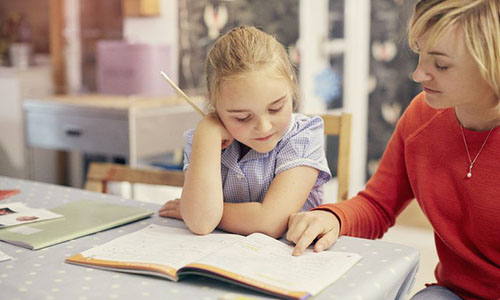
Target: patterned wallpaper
[[391, 65], [201, 22]]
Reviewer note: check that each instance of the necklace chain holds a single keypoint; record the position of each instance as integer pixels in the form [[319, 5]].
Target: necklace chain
[[469, 174]]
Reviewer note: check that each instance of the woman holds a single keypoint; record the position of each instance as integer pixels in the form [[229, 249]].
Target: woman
[[444, 152]]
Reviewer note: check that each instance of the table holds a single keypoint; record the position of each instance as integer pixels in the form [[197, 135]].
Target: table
[[128, 126], [386, 271]]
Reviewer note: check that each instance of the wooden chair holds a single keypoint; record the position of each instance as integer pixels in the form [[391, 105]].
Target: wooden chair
[[340, 125], [100, 174]]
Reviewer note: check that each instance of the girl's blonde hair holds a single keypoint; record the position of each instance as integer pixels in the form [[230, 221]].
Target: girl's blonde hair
[[246, 49], [479, 21]]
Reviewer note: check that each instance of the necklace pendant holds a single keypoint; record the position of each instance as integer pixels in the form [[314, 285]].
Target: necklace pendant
[[469, 174], [472, 161]]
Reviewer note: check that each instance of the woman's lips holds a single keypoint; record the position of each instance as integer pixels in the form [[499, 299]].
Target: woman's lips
[[429, 90]]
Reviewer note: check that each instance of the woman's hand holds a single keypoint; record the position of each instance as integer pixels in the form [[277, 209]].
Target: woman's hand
[[305, 227], [212, 121], [171, 209]]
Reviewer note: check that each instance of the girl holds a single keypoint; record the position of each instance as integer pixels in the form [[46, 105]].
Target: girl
[[252, 162], [444, 152]]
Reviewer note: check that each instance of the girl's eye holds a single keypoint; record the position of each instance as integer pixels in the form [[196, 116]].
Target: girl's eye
[[275, 110], [441, 68], [243, 119]]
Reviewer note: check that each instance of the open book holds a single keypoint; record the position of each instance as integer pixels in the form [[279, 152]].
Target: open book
[[256, 261]]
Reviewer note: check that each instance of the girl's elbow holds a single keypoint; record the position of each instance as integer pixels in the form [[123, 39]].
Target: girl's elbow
[[201, 230], [202, 225], [201, 221]]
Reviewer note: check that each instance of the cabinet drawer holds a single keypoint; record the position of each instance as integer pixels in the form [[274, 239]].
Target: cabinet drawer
[[86, 134]]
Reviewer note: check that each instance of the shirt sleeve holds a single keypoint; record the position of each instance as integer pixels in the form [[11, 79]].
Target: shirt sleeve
[[304, 145], [372, 211], [188, 137]]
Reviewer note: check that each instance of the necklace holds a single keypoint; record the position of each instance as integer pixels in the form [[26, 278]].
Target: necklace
[[469, 174]]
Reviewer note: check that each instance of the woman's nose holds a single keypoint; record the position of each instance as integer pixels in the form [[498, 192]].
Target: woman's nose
[[420, 74]]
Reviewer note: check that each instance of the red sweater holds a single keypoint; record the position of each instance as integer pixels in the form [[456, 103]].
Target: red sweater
[[426, 159]]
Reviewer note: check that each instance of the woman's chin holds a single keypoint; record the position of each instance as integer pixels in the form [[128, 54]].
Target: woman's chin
[[433, 101]]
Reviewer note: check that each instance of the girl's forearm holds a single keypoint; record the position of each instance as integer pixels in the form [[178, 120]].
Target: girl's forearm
[[286, 195], [201, 202], [250, 217]]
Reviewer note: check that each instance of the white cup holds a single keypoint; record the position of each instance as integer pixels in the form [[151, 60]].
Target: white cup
[[20, 55]]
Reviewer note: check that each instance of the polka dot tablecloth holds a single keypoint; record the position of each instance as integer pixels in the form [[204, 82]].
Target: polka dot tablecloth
[[386, 270]]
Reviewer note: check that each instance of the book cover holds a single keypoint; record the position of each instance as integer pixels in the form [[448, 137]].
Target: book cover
[[16, 213], [256, 261], [80, 218]]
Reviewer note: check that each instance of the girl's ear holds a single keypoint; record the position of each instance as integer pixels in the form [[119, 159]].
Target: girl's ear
[[209, 106]]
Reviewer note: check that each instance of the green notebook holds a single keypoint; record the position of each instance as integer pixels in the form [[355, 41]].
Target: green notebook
[[80, 218]]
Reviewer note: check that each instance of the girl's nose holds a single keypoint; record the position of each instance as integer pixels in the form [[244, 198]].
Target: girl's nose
[[264, 125]]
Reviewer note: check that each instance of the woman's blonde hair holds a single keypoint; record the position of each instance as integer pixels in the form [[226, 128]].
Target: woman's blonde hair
[[479, 21], [246, 49]]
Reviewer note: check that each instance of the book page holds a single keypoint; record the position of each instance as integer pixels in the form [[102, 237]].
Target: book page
[[269, 261], [168, 246]]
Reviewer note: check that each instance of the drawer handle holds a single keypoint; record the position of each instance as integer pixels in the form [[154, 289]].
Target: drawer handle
[[73, 132]]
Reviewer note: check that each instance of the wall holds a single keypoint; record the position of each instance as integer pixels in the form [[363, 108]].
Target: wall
[[98, 20], [157, 30], [391, 67], [36, 17], [201, 22]]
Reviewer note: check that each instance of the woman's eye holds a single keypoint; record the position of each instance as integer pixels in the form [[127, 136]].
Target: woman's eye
[[441, 68]]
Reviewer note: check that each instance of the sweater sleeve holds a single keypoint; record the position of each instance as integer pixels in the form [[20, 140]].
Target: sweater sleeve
[[372, 211]]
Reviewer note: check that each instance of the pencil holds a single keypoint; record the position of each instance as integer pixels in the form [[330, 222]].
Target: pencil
[[182, 94]]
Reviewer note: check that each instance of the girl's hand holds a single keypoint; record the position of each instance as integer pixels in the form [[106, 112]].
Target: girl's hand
[[210, 122], [171, 209], [305, 227]]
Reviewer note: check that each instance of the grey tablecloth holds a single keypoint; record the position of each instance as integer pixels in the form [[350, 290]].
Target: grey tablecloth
[[386, 270]]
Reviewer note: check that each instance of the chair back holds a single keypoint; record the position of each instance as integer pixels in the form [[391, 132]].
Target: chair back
[[340, 125], [99, 174]]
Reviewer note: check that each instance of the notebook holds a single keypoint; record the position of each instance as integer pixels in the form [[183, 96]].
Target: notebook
[[80, 218], [256, 261]]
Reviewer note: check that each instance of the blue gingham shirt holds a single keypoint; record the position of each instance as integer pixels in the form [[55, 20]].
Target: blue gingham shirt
[[248, 179]]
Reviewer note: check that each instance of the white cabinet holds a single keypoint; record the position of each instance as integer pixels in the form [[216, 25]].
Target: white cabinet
[[134, 127], [16, 85]]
